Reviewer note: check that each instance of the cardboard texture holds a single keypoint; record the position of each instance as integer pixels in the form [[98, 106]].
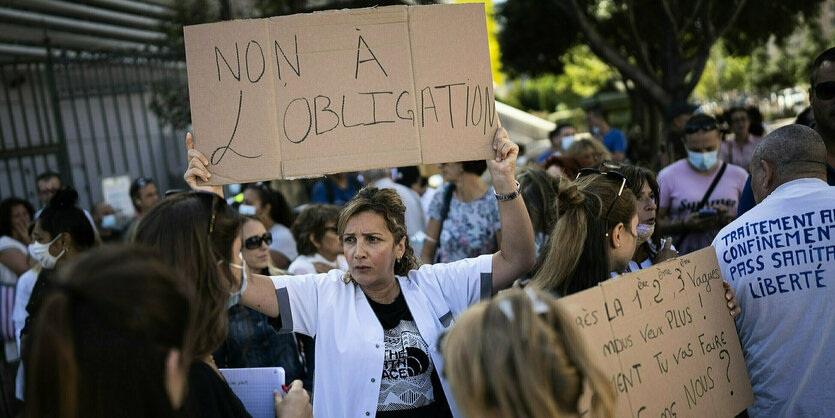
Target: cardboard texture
[[337, 91], [665, 338]]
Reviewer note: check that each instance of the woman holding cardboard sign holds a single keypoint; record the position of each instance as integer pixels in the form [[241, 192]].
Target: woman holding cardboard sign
[[377, 325]]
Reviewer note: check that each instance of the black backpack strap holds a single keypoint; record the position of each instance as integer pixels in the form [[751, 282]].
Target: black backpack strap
[[706, 196]]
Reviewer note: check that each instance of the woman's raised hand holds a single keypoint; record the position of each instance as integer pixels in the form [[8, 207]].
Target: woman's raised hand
[[503, 166], [197, 163]]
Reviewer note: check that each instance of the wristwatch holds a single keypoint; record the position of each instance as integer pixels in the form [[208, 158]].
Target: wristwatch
[[508, 196]]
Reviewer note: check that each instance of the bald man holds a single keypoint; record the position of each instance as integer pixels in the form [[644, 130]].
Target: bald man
[[780, 259]]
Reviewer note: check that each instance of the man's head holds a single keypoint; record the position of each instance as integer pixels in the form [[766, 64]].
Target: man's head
[[48, 183], [702, 139], [597, 119], [143, 194], [678, 114], [562, 136], [822, 94], [789, 153]]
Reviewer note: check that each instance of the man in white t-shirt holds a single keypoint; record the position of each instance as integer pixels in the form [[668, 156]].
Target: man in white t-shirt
[[780, 259]]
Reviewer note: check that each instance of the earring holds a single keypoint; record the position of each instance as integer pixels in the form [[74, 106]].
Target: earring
[[618, 245]]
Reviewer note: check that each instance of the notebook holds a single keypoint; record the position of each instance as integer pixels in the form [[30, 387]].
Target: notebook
[[254, 387]]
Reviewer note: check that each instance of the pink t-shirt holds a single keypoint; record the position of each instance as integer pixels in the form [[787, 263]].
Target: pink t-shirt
[[732, 152], [682, 188]]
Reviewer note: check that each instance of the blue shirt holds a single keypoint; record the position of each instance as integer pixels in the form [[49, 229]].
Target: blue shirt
[[615, 141], [746, 201], [326, 191], [253, 342]]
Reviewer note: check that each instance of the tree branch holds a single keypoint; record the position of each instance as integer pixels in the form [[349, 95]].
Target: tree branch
[[642, 55], [605, 51], [728, 22], [671, 18], [698, 68], [693, 16]]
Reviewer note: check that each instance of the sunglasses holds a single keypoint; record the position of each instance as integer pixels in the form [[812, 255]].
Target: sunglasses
[[212, 201], [706, 126], [255, 241], [825, 90], [614, 175]]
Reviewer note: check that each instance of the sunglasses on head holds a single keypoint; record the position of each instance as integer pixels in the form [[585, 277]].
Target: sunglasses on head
[[705, 125], [825, 90], [143, 181], [255, 241], [212, 202], [614, 175]]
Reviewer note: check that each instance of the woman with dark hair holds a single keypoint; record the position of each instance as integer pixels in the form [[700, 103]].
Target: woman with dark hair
[[595, 233], [62, 232], [109, 341], [272, 208], [651, 248], [463, 216], [374, 325], [252, 341], [15, 216], [317, 241], [210, 269]]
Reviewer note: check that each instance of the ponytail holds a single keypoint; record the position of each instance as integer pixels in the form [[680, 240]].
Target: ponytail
[[566, 244]]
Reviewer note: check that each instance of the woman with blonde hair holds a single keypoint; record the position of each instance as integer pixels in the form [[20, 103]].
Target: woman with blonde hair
[[518, 355], [589, 149]]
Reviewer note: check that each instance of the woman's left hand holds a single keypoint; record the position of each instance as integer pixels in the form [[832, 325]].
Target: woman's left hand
[[730, 295], [503, 166]]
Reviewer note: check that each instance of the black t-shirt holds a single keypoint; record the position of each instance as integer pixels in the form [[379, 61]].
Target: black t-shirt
[[409, 386], [209, 396]]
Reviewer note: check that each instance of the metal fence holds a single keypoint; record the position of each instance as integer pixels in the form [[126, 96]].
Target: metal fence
[[87, 116]]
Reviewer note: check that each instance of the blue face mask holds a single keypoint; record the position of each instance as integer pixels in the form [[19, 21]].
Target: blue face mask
[[108, 222], [703, 161]]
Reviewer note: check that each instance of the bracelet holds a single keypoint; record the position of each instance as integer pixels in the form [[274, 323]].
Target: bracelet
[[508, 196]]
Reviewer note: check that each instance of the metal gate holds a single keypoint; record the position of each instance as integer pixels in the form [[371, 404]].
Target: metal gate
[[87, 116]]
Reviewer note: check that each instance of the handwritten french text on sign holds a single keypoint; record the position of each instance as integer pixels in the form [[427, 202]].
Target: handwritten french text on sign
[[338, 91], [665, 338]]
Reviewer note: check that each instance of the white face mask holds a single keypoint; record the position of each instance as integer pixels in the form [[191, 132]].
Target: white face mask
[[644, 232], [235, 297], [41, 253], [246, 210]]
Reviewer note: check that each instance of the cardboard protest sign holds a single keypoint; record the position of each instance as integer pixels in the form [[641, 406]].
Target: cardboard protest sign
[[337, 91], [665, 337]]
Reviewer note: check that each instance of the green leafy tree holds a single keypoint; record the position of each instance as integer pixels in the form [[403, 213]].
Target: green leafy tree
[[659, 47]]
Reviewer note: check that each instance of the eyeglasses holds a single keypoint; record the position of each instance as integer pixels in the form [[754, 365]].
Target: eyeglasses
[[825, 90], [211, 200], [614, 175], [705, 125], [255, 241], [739, 120]]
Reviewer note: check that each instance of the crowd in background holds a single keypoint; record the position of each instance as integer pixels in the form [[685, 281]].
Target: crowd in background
[[354, 291]]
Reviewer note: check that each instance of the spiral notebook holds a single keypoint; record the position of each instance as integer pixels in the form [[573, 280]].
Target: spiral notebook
[[254, 387]]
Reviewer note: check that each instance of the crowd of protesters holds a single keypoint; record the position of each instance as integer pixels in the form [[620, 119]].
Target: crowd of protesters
[[381, 296]]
